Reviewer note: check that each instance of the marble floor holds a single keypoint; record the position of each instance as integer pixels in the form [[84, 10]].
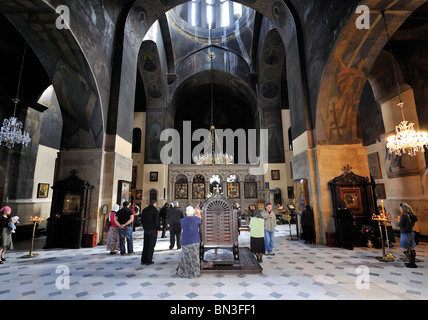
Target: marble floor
[[297, 271]]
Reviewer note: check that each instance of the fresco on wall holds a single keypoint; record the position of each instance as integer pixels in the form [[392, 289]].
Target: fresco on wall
[[153, 141], [341, 122], [271, 68]]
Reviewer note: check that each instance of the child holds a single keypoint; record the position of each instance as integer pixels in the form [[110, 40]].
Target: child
[[12, 222]]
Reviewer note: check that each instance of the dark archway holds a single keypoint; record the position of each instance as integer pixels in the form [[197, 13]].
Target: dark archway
[[67, 68], [232, 105]]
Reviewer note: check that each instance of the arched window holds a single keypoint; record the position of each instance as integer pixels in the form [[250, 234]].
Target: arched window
[[216, 185], [214, 13], [153, 195], [232, 178], [136, 140], [199, 178], [195, 8]]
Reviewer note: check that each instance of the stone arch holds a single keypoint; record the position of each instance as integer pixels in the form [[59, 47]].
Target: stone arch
[[143, 14], [346, 72], [216, 77], [382, 77], [68, 68]]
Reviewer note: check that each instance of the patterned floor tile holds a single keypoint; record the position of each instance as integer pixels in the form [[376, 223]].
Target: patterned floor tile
[[297, 271]]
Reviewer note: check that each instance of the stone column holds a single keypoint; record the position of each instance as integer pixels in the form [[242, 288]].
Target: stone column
[[319, 166], [102, 170]]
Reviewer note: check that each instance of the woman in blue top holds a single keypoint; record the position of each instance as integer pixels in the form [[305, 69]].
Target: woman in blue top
[[190, 266], [407, 240]]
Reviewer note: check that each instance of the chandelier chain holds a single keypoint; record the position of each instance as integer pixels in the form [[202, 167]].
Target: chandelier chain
[[11, 131], [16, 99], [392, 59]]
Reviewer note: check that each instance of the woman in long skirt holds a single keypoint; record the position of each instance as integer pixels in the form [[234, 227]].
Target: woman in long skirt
[[257, 240], [113, 232], [190, 265], [5, 234]]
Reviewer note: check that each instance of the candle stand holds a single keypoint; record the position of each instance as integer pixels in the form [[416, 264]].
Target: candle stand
[[289, 227], [387, 257], [31, 254]]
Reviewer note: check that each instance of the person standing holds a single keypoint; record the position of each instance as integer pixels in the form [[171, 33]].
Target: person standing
[[150, 221], [308, 225], [346, 221], [190, 264], [407, 239], [269, 228], [113, 232], [5, 234], [173, 219], [257, 241], [163, 213], [123, 219]]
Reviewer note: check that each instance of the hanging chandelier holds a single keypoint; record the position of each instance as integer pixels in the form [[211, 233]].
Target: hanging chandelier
[[211, 156], [406, 140], [11, 130]]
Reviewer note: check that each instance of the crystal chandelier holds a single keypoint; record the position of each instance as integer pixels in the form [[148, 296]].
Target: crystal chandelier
[[11, 130], [406, 140], [211, 156]]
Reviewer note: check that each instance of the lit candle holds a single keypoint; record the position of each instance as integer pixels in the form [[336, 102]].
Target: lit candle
[[383, 210]]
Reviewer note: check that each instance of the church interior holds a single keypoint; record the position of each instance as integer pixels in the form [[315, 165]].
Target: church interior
[[117, 98]]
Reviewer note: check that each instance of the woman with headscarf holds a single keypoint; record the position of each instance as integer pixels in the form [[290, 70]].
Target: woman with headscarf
[[407, 238], [113, 232], [5, 233], [190, 265], [257, 235]]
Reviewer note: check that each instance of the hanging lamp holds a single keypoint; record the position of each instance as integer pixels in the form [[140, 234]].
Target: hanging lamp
[[406, 139], [11, 130]]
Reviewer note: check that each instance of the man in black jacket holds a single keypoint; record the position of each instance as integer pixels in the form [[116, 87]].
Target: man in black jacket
[[150, 221], [123, 219], [173, 219]]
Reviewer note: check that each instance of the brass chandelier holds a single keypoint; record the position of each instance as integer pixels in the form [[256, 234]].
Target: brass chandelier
[[406, 140]]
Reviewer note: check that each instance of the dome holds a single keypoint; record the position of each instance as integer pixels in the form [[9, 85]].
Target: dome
[[210, 18]]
